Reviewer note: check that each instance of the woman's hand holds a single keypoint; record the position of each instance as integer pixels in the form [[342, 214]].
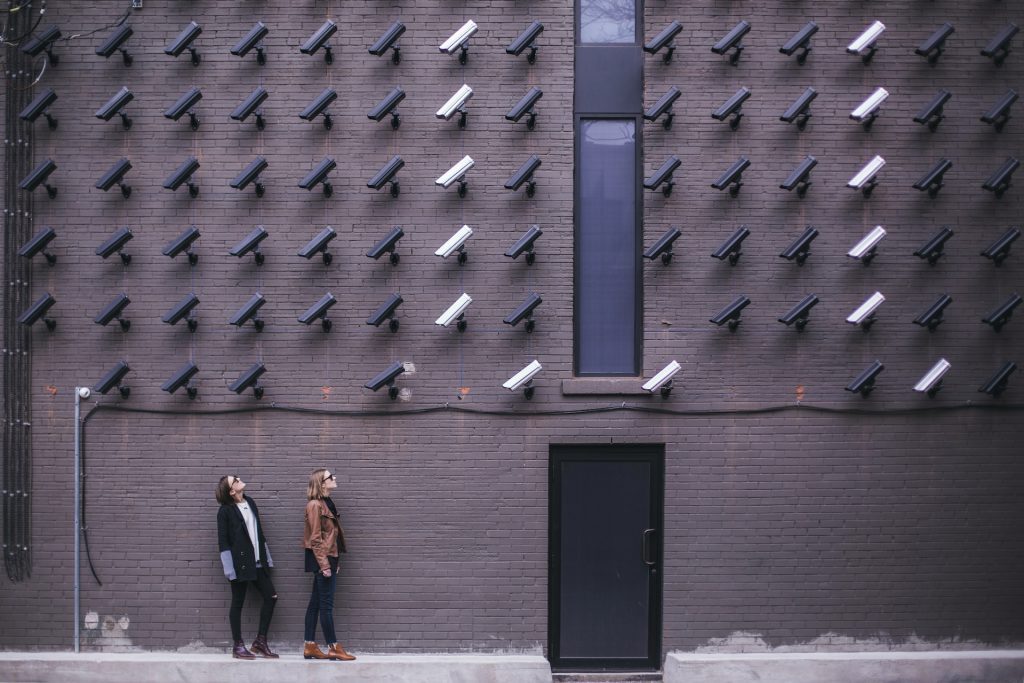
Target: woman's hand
[[327, 573]]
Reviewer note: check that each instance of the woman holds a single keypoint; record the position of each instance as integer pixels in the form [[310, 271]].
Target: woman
[[324, 541], [246, 559]]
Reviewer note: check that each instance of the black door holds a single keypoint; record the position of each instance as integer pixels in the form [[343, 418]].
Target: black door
[[604, 590]]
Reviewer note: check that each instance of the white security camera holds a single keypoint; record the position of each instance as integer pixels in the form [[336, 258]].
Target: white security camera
[[864, 180], [864, 250], [456, 243], [864, 44], [456, 173], [663, 380], [455, 312], [867, 111], [865, 313], [523, 378], [459, 39], [455, 104], [932, 380]]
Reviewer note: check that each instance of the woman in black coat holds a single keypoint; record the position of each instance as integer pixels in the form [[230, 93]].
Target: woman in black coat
[[244, 554]]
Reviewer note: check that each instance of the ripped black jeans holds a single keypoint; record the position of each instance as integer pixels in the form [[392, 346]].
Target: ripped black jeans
[[266, 588]]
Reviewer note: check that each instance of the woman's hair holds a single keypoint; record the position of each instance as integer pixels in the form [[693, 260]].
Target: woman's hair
[[316, 485], [223, 492]]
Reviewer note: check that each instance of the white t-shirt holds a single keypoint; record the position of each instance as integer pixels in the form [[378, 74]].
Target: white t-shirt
[[250, 526]]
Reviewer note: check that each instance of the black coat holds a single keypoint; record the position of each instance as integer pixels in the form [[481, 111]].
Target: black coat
[[236, 552]]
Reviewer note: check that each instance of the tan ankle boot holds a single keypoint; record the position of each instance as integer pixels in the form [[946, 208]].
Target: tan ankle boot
[[336, 651], [313, 651]]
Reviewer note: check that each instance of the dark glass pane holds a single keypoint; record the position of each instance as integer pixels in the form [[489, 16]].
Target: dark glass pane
[[607, 258], [607, 21]]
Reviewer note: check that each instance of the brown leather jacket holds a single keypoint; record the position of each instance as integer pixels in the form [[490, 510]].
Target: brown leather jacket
[[323, 533]]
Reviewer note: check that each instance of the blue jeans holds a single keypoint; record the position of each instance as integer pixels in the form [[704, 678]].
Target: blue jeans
[[321, 601]]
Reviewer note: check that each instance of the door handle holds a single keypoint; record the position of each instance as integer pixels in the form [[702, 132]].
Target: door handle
[[648, 534]]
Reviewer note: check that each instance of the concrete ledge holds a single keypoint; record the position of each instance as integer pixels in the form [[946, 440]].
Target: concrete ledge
[[969, 666], [150, 667]]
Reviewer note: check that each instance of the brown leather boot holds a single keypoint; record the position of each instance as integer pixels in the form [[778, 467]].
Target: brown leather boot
[[262, 649], [313, 651], [336, 651], [239, 651]]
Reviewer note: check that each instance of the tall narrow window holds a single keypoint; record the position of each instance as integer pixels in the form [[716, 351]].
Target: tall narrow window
[[607, 258], [607, 21]]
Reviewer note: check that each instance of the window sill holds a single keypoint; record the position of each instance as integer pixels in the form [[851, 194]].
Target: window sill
[[603, 386]]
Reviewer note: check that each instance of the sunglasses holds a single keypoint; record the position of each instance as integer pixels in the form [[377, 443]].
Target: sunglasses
[[328, 478]]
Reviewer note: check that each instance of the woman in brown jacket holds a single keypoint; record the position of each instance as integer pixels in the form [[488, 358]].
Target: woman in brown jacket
[[323, 540]]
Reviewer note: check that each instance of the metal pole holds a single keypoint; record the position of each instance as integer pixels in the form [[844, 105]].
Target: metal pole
[[78, 503]]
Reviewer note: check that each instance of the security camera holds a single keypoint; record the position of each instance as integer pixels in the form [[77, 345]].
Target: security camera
[[43, 42], [456, 243], [663, 176], [387, 175], [999, 47], [524, 106], [662, 381], [115, 42], [248, 312], [731, 248], [663, 247], [999, 182], [931, 182], [115, 176], [865, 250], [996, 384], [389, 41], [935, 45], [864, 383], [800, 248], [250, 40], [733, 177], [318, 311], [38, 177], [386, 311], [387, 246], [1001, 315], [864, 44], [114, 106], [251, 242], [181, 379], [524, 311], [867, 111], [799, 314], [932, 317], [112, 311], [249, 106], [456, 312], [114, 245], [182, 310], [457, 173], [183, 243], [664, 40], [459, 41], [998, 250], [389, 105], [251, 173], [84, 392], [800, 177], [319, 106], [525, 175], [38, 310], [663, 107], [114, 378], [184, 104], [183, 174], [732, 107], [999, 114], [799, 111], [319, 40], [250, 379], [801, 40], [525, 244], [386, 378], [932, 250], [731, 41], [319, 175], [38, 106], [931, 383], [865, 179], [42, 238], [526, 40], [456, 104], [864, 315], [184, 42], [731, 313], [318, 245], [523, 379], [931, 115]]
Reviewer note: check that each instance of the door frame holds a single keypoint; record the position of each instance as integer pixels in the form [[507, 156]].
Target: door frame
[[654, 453]]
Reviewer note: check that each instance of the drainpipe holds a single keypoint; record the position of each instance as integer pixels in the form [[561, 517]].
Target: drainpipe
[[80, 393]]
